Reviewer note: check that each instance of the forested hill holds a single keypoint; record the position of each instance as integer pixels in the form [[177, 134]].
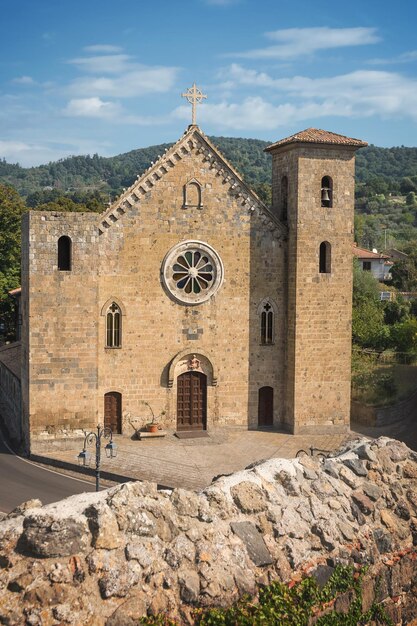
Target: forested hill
[[87, 173], [379, 167]]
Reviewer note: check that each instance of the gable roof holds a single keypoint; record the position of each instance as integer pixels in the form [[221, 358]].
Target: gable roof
[[363, 253], [317, 135], [192, 139]]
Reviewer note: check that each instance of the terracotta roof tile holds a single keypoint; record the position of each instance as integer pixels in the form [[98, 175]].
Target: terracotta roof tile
[[316, 135], [362, 253]]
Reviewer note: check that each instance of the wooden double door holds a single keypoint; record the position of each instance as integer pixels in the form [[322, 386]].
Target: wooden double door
[[192, 401], [113, 411]]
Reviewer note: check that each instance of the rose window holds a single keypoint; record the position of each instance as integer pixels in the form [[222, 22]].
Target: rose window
[[192, 272]]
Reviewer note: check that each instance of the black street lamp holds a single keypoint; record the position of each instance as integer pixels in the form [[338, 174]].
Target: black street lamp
[[84, 457]]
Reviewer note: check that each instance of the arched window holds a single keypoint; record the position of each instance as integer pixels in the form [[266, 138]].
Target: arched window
[[64, 254], [284, 198], [325, 258], [326, 191], [113, 326], [267, 323]]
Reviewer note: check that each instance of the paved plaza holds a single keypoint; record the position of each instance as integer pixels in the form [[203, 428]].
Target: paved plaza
[[193, 463]]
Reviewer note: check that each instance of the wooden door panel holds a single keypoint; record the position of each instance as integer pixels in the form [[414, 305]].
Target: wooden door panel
[[113, 411], [191, 401]]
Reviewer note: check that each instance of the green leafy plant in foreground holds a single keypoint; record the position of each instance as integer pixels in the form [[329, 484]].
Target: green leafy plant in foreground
[[285, 605]]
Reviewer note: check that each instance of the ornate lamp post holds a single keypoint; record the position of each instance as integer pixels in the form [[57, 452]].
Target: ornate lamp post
[[91, 438]]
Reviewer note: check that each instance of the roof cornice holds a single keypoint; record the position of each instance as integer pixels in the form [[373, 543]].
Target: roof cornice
[[192, 139]]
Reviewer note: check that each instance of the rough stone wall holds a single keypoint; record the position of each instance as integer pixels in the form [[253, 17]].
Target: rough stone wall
[[319, 304], [10, 393], [71, 369], [383, 415], [112, 557], [226, 328], [59, 332]]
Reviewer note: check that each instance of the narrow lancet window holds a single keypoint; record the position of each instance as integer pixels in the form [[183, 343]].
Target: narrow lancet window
[[267, 324], [113, 327], [325, 258], [64, 254]]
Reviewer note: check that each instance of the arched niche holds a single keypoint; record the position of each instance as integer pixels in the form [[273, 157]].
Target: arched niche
[[193, 198], [186, 361]]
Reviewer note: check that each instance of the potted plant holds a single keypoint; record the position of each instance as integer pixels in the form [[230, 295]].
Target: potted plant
[[153, 426]]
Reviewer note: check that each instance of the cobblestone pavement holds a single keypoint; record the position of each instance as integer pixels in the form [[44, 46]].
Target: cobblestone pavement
[[193, 463]]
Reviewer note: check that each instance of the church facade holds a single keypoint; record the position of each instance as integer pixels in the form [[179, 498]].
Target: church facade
[[191, 296]]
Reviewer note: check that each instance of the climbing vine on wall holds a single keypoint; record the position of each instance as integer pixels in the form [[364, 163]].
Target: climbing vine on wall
[[294, 605]]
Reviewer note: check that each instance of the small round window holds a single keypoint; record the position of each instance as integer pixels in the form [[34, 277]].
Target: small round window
[[192, 272]]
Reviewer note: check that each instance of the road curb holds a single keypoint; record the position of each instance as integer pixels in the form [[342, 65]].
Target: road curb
[[87, 471]]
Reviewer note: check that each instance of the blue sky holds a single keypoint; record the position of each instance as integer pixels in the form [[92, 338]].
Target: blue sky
[[106, 76]]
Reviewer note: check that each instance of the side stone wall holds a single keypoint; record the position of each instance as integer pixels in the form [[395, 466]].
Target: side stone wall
[[319, 303], [383, 415], [115, 556], [10, 395]]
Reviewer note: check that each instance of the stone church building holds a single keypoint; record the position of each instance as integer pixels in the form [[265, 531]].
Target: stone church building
[[191, 295]]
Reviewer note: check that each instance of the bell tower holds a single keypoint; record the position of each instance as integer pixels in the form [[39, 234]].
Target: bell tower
[[313, 192]]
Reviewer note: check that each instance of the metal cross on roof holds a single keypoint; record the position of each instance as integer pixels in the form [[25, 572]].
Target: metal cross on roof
[[194, 96]]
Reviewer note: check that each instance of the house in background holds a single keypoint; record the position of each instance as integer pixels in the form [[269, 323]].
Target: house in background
[[373, 261]]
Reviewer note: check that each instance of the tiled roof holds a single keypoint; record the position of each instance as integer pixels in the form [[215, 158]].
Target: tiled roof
[[362, 253], [316, 135]]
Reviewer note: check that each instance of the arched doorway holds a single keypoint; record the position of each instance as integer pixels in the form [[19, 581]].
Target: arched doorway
[[192, 401], [266, 406], [113, 411]]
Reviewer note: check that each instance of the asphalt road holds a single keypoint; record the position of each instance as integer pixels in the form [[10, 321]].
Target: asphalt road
[[21, 480]]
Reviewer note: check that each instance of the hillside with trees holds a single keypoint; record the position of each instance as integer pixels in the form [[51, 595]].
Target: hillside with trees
[[386, 183]]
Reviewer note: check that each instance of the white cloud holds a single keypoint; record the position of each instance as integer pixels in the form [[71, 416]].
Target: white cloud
[[102, 48], [364, 92], [235, 74], [406, 57], [96, 108], [253, 113], [23, 80], [92, 107], [29, 154], [133, 83], [297, 42], [105, 64], [357, 94], [118, 75]]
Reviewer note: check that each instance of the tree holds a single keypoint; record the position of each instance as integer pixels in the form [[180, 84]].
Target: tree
[[404, 335], [411, 198], [404, 272], [11, 211], [396, 311], [368, 325]]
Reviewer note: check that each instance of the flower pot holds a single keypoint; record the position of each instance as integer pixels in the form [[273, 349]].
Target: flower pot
[[152, 428]]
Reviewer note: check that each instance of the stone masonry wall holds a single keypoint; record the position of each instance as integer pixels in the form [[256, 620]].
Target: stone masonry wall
[[69, 368], [59, 330], [112, 557], [10, 398], [319, 304], [383, 415]]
